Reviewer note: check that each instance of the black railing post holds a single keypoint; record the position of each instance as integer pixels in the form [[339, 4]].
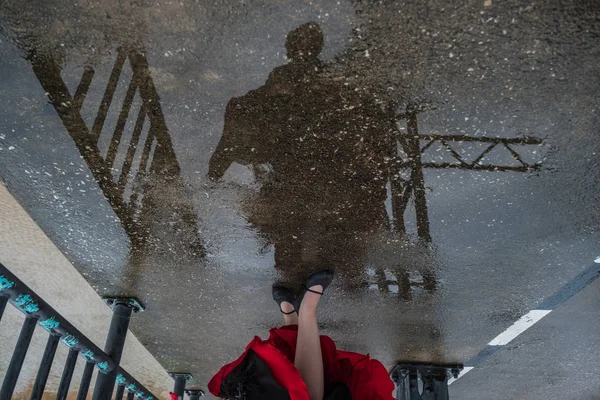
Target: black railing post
[[401, 379], [16, 362], [413, 382], [115, 341], [180, 379], [3, 301], [194, 394], [441, 389], [433, 377], [67, 375], [120, 391], [130, 395], [86, 379], [45, 365]]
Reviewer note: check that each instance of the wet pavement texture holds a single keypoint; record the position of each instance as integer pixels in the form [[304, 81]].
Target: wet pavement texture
[[442, 157], [566, 340]]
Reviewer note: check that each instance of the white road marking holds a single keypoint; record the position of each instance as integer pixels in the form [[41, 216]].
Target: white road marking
[[460, 375], [520, 326]]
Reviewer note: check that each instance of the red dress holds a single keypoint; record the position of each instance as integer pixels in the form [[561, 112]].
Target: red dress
[[366, 379]]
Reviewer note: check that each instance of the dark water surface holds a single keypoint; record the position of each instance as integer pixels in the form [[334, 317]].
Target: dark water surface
[[443, 157]]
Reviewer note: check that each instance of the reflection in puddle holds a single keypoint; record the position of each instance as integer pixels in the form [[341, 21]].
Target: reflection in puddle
[[325, 153], [148, 199], [401, 156]]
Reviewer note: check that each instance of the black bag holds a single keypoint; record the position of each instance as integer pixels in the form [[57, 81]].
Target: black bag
[[252, 380]]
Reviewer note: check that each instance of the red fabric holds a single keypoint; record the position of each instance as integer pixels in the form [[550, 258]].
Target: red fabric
[[367, 379], [173, 396]]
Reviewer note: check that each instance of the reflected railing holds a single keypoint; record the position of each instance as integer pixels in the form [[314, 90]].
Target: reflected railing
[[409, 157], [158, 165]]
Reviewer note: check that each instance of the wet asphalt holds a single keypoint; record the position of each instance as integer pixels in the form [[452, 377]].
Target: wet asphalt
[[443, 158]]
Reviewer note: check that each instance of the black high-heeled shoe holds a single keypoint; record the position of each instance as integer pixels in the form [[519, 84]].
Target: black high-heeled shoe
[[322, 278], [281, 294]]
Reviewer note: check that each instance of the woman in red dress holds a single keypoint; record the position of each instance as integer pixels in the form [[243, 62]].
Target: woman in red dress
[[295, 363]]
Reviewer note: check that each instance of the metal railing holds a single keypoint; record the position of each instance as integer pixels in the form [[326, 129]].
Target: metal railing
[[38, 312], [423, 381]]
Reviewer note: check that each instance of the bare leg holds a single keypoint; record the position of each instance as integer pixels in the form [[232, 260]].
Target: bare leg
[[309, 361], [290, 319]]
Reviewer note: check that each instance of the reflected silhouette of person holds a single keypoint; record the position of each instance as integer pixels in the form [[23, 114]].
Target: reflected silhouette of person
[[320, 147]]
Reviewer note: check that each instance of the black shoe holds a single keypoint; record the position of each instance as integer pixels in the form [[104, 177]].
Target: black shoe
[[322, 278], [281, 294]]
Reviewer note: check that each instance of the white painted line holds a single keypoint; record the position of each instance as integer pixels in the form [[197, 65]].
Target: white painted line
[[520, 326], [460, 375]]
